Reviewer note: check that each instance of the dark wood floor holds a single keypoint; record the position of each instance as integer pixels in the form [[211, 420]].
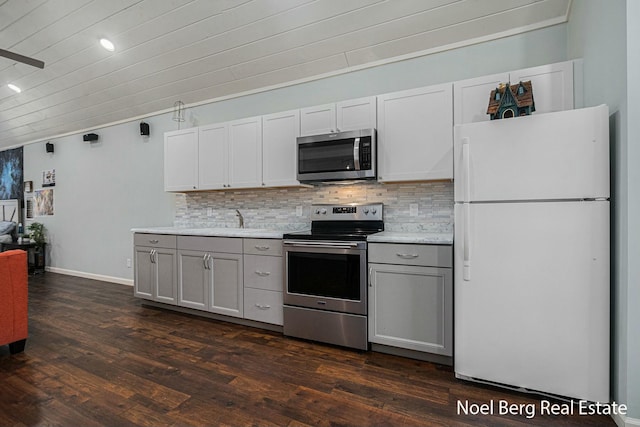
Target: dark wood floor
[[96, 357]]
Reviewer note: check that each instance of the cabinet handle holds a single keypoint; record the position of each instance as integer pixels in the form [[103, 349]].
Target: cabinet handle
[[262, 248], [263, 273], [407, 256], [204, 261], [263, 306], [209, 262], [371, 277], [154, 241], [151, 255]]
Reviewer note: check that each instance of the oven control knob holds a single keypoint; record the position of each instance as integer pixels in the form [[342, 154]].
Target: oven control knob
[[317, 211], [365, 210], [323, 211], [373, 211]]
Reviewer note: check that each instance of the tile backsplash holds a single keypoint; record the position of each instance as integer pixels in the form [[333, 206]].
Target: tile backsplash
[[275, 208]]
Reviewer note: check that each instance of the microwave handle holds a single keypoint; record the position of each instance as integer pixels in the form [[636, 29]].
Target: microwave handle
[[356, 153]]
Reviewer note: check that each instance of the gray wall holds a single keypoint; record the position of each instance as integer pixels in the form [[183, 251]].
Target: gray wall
[[102, 191], [605, 35], [105, 189]]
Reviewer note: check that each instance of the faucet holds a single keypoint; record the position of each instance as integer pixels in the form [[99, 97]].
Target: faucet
[[240, 218]]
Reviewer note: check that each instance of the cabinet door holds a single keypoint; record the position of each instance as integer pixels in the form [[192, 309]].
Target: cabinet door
[[263, 306], [471, 97], [415, 134], [194, 279], [552, 85], [245, 153], [181, 160], [411, 307], [226, 292], [356, 114], [144, 273], [213, 159], [318, 120], [166, 276], [279, 133], [263, 272]]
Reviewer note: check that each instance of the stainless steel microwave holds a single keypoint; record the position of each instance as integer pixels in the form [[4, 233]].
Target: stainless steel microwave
[[337, 156]]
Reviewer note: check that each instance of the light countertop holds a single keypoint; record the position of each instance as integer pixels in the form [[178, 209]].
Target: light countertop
[[256, 233], [261, 233]]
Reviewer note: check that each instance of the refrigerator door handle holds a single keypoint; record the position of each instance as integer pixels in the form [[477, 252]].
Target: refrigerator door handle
[[466, 243], [465, 167]]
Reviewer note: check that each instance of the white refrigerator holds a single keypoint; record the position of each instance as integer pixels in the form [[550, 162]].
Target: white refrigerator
[[532, 253]]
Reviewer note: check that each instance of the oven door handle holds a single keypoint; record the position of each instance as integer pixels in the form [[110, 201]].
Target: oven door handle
[[328, 245]]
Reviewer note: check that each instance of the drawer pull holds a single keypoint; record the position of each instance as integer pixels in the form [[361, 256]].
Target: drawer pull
[[154, 241], [262, 248], [263, 273], [408, 256], [263, 306]]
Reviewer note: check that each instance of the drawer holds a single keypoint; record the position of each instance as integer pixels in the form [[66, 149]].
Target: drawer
[[155, 240], [263, 272], [231, 245], [263, 246], [408, 254], [263, 306]]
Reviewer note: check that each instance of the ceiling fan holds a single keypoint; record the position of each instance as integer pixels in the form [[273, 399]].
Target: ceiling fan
[[21, 58]]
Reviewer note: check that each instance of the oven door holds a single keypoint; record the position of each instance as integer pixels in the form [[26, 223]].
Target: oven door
[[326, 275]]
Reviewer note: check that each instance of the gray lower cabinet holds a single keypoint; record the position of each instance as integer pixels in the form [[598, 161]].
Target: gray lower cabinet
[[155, 268], [263, 280], [225, 275], [411, 297], [210, 274]]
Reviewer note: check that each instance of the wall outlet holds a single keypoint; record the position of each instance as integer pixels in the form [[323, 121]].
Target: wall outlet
[[413, 209], [298, 210], [128, 262]]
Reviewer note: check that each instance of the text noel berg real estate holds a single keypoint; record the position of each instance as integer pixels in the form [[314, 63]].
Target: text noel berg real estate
[[545, 407]]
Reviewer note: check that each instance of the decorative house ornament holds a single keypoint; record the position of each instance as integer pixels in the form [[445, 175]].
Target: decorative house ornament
[[509, 100]]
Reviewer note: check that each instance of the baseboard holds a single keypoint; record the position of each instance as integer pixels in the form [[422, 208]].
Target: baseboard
[[622, 421], [111, 279]]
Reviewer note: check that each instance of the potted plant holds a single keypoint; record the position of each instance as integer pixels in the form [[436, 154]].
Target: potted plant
[[36, 232]]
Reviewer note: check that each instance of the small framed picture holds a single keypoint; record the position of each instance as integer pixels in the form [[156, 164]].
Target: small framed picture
[[28, 186], [49, 178]]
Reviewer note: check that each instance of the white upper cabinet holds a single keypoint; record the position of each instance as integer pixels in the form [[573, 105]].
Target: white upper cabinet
[[553, 90], [339, 117], [279, 133], [245, 153], [415, 134], [181, 160], [356, 114], [471, 97], [213, 161], [552, 85], [318, 120]]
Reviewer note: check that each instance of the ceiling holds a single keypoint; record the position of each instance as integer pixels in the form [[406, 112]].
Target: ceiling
[[197, 50]]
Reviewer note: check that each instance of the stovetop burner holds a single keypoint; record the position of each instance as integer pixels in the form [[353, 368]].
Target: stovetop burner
[[342, 222]]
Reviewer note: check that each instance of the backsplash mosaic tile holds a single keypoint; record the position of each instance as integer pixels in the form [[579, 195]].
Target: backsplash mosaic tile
[[275, 208]]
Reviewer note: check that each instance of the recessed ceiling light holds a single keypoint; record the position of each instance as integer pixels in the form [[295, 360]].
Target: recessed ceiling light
[[107, 45], [14, 88]]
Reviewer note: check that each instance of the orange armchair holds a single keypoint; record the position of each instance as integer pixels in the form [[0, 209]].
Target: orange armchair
[[13, 300]]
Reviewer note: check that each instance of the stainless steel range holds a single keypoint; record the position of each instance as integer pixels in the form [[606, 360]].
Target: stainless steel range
[[325, 295]]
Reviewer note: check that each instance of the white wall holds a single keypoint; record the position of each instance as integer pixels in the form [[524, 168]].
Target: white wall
[[633, 204], [102, 191], [605, 35], [105, 189]]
